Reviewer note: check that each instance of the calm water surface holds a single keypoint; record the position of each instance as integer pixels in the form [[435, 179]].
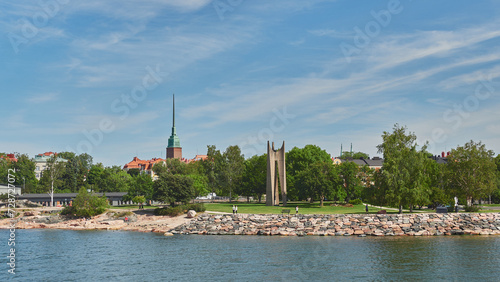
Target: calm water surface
[[58, 255]]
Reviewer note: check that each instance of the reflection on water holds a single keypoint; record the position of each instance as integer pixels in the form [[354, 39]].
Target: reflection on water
[[130, 256]]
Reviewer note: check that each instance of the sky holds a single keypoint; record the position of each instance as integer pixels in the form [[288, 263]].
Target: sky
[[98, 77]]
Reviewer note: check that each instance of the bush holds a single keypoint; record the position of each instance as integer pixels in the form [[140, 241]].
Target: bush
[[86, 205], [171, 211], [200, 207], [178, 210], [355, 202], [472, 208]]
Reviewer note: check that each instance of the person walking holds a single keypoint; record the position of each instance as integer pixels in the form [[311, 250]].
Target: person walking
[[296, 210], [366, 208], [234, 209]]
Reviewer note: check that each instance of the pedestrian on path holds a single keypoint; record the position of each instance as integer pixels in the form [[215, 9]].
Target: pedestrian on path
[[234, 209], [366, 208], [297, 210]]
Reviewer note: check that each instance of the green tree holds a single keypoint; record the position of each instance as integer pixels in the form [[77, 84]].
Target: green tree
[[213, 166], [113, 179], [77, 170], [318, 180], [351, 183], [172, 188], [25, 171], [87, 204], [254, 179], [200, 184], [233, 168], [139, 199], [471, 171], [140, 185], [402, 172], [95, 176], [298, 160]]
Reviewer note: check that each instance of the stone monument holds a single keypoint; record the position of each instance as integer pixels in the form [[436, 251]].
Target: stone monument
[[272, 190]]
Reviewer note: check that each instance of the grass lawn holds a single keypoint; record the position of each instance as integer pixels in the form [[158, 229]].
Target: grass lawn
[[304, 208]]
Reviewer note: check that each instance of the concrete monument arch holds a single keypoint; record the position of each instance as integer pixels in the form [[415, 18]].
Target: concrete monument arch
[[272, 190]]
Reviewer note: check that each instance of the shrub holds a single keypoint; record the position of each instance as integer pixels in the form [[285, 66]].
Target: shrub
[[86, 205], [200, 207], [472, 208], [355, 202], [171, 211], [123, 214]]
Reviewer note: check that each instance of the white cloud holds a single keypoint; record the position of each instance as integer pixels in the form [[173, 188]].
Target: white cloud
[[42, 98]]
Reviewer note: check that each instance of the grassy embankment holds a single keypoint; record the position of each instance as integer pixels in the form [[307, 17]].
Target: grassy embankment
[[304, 208]]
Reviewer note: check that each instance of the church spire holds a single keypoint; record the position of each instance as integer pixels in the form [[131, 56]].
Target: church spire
[[173, 141]]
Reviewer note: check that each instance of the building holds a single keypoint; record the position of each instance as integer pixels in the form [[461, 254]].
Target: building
[[174, 149], [12, 190], [65, 199], [375, 163], [144, 166], [9, 157], [41, 161]]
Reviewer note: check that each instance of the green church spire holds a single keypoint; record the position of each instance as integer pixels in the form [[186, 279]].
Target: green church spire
[[174, 141]]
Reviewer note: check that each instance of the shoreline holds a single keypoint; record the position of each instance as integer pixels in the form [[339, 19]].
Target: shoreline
[[429, 224]]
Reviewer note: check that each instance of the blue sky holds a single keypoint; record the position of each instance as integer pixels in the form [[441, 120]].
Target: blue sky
[[98, 76]]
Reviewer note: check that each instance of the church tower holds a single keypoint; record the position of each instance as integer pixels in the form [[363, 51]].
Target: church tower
[[174, 149]]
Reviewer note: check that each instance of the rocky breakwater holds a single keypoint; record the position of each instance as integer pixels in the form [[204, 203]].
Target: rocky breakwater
[[344, 225]]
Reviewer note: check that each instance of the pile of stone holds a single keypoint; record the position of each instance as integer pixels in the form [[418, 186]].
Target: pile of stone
[[343, 225]]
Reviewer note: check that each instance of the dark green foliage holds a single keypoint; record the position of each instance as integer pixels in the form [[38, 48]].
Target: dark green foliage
[[354, 155], [170, 188], [254, 178], [349, 174], [178, 210], [472, 208], [86, 204], [471, 171], [402, 176], [170, 211], [297, 161], [140, 185], [355, 202], [318, 181]]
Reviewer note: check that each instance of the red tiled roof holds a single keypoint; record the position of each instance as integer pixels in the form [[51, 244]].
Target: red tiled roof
[[142, 164], [9, 157]]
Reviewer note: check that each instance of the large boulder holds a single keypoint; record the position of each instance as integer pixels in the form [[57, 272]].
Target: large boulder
[[191, 214]]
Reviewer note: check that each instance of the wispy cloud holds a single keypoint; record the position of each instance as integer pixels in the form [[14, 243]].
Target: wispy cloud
[[42, 98]]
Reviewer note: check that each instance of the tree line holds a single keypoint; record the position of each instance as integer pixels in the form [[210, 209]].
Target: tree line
[[409, 176]]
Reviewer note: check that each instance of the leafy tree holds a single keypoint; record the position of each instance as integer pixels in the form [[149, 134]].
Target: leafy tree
[[134, 172], [172, 166], [25, 171], [200, 184], [254, 179], [171, 188], [140, 185], [87, 204], [232, 169], [77, 169], [51, 177], [354, 155], [351, 183], [113, 179], [139, 199], [95, 176], [471, 171], [213, 166], [402, 173], [298, 160], [318, 180]]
